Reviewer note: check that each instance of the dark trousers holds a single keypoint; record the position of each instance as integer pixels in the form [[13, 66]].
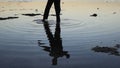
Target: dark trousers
[[57, 9]]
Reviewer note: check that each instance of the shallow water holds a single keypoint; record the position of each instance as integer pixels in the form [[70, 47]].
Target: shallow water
[[79, 32]]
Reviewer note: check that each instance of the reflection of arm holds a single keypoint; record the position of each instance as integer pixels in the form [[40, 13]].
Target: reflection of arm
[[46, 48]]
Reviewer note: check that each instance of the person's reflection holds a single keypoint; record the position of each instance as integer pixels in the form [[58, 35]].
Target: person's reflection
[[56, 49]]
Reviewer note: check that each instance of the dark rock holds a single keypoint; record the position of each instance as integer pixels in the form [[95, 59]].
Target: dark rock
[[103, 49], [94, 15], [8, 18], [114, 12], [36, 10], [98, 8], [54, 14], [62, 2], [31, 14], [117, 45]]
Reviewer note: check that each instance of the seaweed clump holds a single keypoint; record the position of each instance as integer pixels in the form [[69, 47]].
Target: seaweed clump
[[31, 14], [6, 18], [109, 50]]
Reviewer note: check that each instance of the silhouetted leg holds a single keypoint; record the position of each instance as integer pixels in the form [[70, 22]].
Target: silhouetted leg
[[47, 9], [57, 9], [57, 31], [57, 38], [49, 33]]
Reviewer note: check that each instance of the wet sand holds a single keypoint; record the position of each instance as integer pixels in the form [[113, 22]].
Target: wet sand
[[19, 46]]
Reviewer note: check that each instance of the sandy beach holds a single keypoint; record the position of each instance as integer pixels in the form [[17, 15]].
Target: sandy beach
[[84, 25]]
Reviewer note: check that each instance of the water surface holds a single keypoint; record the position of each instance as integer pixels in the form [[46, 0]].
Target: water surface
[[79, 32]]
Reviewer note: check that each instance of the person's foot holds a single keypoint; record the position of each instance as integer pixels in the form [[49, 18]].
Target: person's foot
[[45, 20]]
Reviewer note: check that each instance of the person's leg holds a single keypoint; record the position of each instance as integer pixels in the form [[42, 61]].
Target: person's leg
[[57, 9], [47, 9]]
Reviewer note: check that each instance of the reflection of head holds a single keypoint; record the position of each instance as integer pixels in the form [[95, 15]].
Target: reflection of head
[[54, 61]]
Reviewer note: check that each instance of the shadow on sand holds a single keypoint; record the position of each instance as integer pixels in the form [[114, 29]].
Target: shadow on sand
[[56, 49]]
